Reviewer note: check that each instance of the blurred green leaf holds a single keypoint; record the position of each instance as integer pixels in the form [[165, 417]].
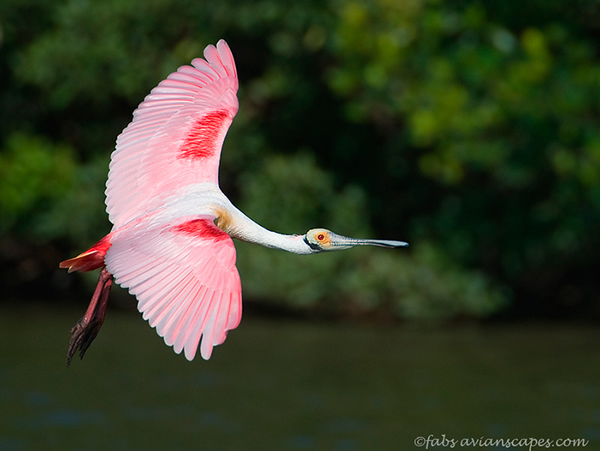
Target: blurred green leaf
[[34, 173], [461, 125]]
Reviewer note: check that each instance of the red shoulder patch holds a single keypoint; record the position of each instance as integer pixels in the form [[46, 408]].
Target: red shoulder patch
[[201, 139], [201, 228]]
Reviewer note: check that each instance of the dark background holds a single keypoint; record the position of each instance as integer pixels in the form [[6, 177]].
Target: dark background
[[469, 129]]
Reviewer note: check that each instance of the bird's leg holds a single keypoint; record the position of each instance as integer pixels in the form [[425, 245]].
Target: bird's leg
[[86, 329]]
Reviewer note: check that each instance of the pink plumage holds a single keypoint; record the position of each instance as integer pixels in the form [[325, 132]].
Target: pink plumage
[[181, 271], [175, 137], [173, 141], [171, 244], [184, 276]]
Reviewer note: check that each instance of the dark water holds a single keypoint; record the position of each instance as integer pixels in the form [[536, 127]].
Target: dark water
[[293, 386]]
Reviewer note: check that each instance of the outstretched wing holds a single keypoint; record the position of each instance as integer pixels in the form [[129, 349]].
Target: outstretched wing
[[175, 136], [184, 276]]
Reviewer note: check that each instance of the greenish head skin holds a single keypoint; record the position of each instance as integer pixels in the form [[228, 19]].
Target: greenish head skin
[[321, 240]]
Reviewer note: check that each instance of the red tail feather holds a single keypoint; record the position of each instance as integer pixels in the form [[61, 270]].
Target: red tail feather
[[89, 260]]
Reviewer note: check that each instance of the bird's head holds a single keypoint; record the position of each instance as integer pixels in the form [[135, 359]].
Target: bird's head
[[320, 240]]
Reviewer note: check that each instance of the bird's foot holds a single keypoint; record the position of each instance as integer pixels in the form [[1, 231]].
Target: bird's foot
[[82, 335], [87, 328]]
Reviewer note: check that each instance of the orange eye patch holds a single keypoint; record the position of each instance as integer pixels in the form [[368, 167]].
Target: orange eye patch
[[323, 238]]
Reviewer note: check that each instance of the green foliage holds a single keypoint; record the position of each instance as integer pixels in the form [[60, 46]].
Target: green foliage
[[505, 124], [79, 215], [34, 174], [423, 286], [462, 127]]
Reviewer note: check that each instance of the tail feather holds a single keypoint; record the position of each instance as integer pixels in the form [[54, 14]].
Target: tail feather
[[89, 260]]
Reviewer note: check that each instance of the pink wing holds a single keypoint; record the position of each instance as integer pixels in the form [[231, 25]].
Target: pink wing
[[184, 276], [175, 137]]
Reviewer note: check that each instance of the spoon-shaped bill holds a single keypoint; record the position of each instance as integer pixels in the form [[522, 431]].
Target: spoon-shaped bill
[[340, 242]]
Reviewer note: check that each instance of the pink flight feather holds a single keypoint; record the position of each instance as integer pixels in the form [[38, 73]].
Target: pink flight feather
[[184, 276], [147, 165], [182, 271]]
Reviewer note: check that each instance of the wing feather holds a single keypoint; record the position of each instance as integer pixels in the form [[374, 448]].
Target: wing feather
[[187, 327], [175, 136], [184, 278], [197, 330], [209, 331]]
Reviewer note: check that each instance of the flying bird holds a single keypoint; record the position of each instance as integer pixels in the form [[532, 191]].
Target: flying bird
[[171, 241]]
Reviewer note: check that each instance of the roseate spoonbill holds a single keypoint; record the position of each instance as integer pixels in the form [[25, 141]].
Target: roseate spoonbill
[[171, 244]]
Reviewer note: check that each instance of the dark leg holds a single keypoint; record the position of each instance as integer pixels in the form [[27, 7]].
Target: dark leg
[[86, 329]]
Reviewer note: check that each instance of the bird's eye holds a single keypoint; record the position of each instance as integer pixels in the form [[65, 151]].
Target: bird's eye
[[320, 237]]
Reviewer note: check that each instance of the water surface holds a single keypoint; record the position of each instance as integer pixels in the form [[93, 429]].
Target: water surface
[[293, 385]]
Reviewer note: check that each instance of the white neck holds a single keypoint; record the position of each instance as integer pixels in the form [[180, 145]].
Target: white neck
[[274, 240], [245, 229]]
